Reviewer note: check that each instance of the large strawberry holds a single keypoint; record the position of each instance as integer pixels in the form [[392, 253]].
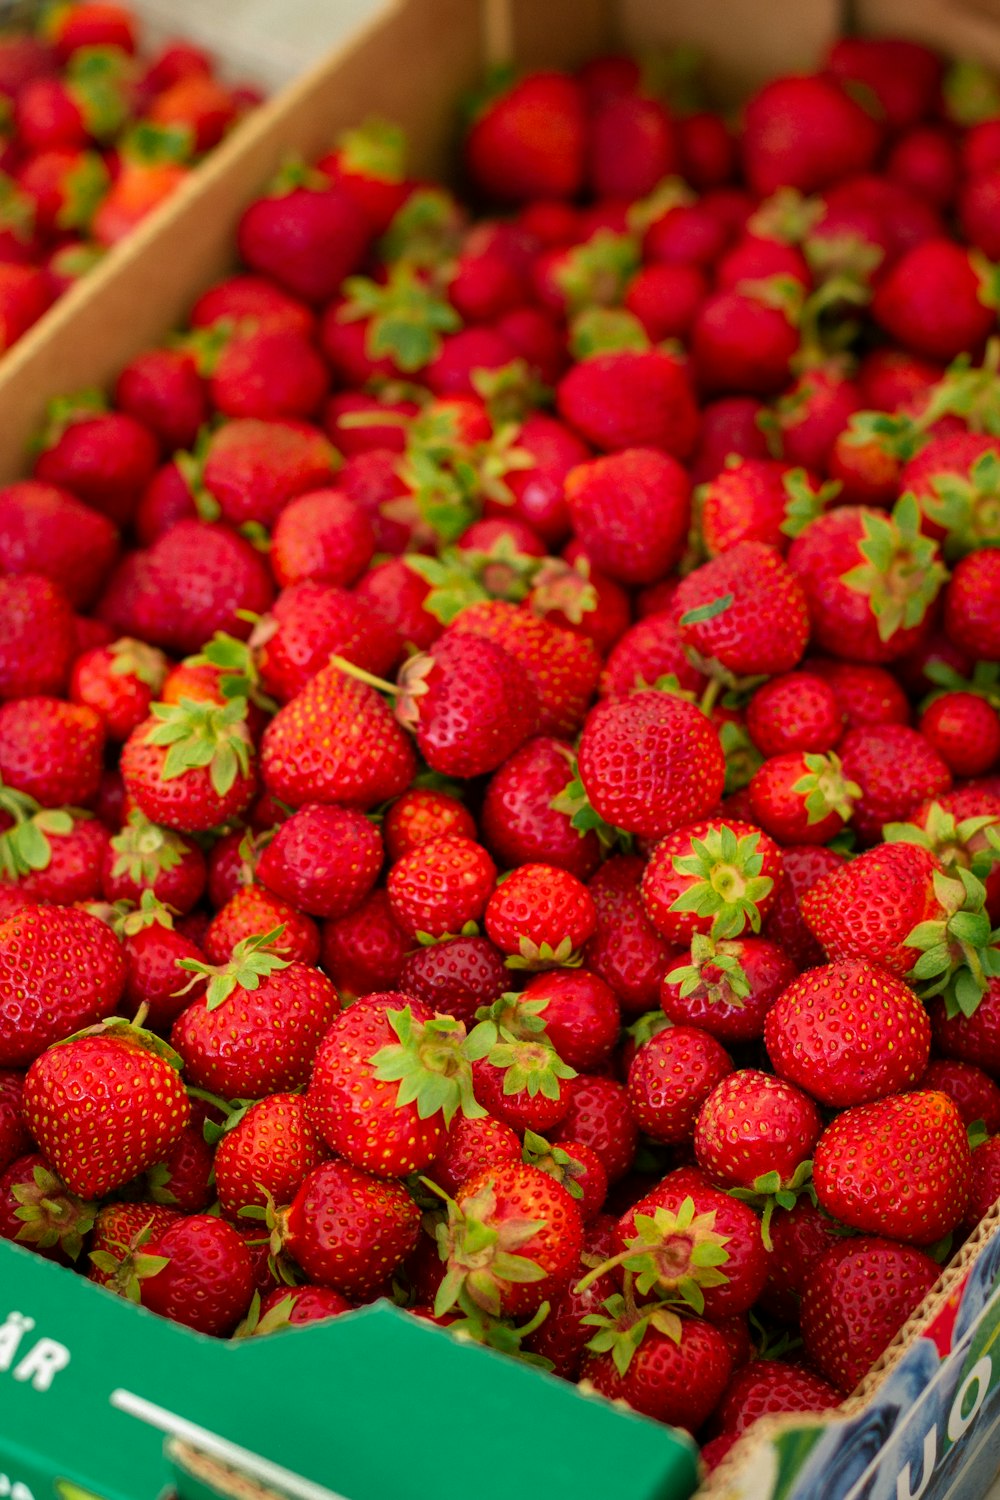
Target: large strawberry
[[743, 614], [189, 765], [269, 1149], [529, 141], [631, 399], [62, 969], [199, 1273], [306, 235], [631, 512], [324, 860], [348, 1229]]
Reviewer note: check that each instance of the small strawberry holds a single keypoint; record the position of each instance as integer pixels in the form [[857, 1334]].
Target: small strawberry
[[441, 886], [646, 653], [105, 1105], [49, 855], [755, 1132], [162, 389], [323, 860], [899, 1167], [519, 823], [540, 915], [727, 987], [455, 976], [104, 458], [895, 769], [631, 399], [974, 1093], [347, 1229], [529, 141], [119, 682], [153, 949], [935, 300], [62, 970], [964, 729], [671, 1077], [39, 636], [369, 164], [290, 1306], [855, 1301], [745, 341], [625, 951], [120, 1232], [51, 751], [269, 1149], [199, 1273], [795, 711], [803, 799], [422, 814], [713, 878], [971, 1038], [472, 1143], [631, 512], [323, 536], [580, 1013], [38, 1210]]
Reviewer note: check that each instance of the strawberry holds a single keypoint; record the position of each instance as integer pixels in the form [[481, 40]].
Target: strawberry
[[322, 536], [800, 1236], [14, 1137], [258, 1025], [580, 1014], [49, 855], [805, 133], [598, 1116], [750, 501], [971, 1038], [848, 1033], [323, 860], [540, 915], [336, 741], [455, 976], [898, 1167], [795, 711], [745, 343], [472, 1144], [288, 1306], [422, 814], [54, 952], [895, 769], [964, 729], [520, 825], [635, 398], [671, 1077], [631, 512], [39, 638], [985, 1182], [766, 1386], [203, 1276], [868, 580], [512, 1238], [648, 763], [365, 951], [270, 374], [625, 951], [754, 1131], [185, 1176], [51, 751], [855, 1301], [865, 694], [267, 1150], [38, 1210], [153, 949], [120, 682], [743, 614], [644, 654], [439, 887], [162, 389], [104, 458], [197, 103], [310, 623], [727, 988], [251, 300], [973, 1092], [120, 1232], [529, 141], [676, 1373], [105, 1105], [369, 164], [347, 1229], [45, 530], [712, 878], [253, 909], [251, 467], [970, 615], [935, 301], [143, 856], [305, 238], [189, 765], [803, 799]]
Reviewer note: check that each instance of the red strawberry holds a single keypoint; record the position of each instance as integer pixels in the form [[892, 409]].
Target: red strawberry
[[54, 952], [47, 531], [49, 855], [441, 886], [369, 164], [520, 825], [105, 1106], [598, 1115], [712, 878], [795, 711], [289, 1306], [899, 1167], [800, 1236], [153, 950], [455, 976], [625, 951], [14, 1137], [251, 468], [365, 950], [51, 751], [974, 1038], [119, 682], [39, 636], [856, 1300], [677, 1376], [767, 1386], [311, 623], [306, 239], [253, 909], [671, 1077], [803, 799], [649, 763], [422, 814], [336, 741], [323, 536], [751, 501], [631, 513], [204, 1277], [269, 1149], [323, 860], [250, 300], [120, 1232], [529, 141], [935, 301], [471, 1145], [805, 133], [985, 1182], [635, 398], [163, 390], [746, 342], [970, 612], [727, 988], [257, 1027], [348, 1229], [104, 458], [848, 1033], [896, 769], [645, 653], [752, 1127], [541, 915], [866, 695], [25, 293], [270, 373], [38, 1210], [973, 1092], [189, 765], [580, 1014], [964, 729], [743, 613], [144, 856], [632, 147]]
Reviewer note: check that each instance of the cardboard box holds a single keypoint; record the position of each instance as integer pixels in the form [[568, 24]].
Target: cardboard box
[[309, 1414]]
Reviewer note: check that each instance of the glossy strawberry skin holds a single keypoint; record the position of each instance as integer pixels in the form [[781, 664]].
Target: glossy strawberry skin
[[525, 1192], [365, 950], [867, 909], [767, 1386], [14, 1137], [39, 637], [477, 708], [598, 1114], [348, 1229], [530, 142], [540, 905], [470, 1146], [519, 822], [271, 1148], [713, 1007], [208, 1280], [440, 886], [323, 860], [60, 970], [765, 627], [455, 976], [899, 1167], [314, 621], [752, 1124], [253, 910], [631, 512], [51, 750], [679, 1383], [670, 1079], [626, 951], [896, 768]]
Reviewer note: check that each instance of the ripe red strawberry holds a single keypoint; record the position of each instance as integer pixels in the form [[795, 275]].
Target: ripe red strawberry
[[970, 612], [650, 763], [598, 1115], [964, 729], [269, 1149], [971, 1038], [369, 164], [323, 860], [49, 855], [105, 1106], [753, 1126], [752, 501], [671, 1077], [119, 682], [204, 1277], [269, 374], [39, 636], [439, 887], [253, 909], [336, 741], [805, 133], [855, 1301], [153, 949], [580, 1013], [541, 915], [348, 1229], [289, 1306], [143, 856], [121, 1230], [677, 1376], [726, 988], [632, 147], [934, 300], [899, 1167], [323, 536], [646, 652], [471, 1145], [310, 623], [14, 1137], [896, 769], [713, 878], [455, 976], [985, 1182], [529, 142], [48, 531], [795, 711], [60, 970], [974, 1093], [38, 1210], [422, 814], [189, 765], [800, 1236], [365, 950], [506, 1224], [767, 1386], [306, 239], [520, 824], [51, 751], [625, 951], [252, 468], [743, 613], [802, 799], [104, 458], [848, 1033], [162, 389], [866, 695], [745, 342], [257, 1027], [631, 512], [635, 398]]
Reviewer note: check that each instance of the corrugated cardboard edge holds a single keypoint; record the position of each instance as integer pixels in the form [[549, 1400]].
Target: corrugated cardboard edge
[[720, 1483]]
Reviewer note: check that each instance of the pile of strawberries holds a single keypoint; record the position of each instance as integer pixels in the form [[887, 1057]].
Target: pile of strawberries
[[500, 748], [92, 138]]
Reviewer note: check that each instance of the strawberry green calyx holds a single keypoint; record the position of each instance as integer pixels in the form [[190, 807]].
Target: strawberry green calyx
[[481, 1254], [782, 293], [672, 192], [426, 231], [120, 1028], [132, 658], [674, 1256], [376, 148], [709, 611], [988, 273], [826, 789], [150, 145], [203, 735], [968, 509], [459, 578], [726, 881], [806, 500], [514, 1017], [405, 316], [63, 411], [99, 82], [83, 188], [971, 93], [596, 273], [743, 759], [253, 960], [191, 467], [50, 1215], [646, 1027], [432, 1064], [563, 587], [126, 919], [532, 955], [769, 1192], [25, 846], [511, 392], [787, 215], [128, 1265], [17, 209], [530, 1064], [984, 682], [968, 844], [606, 330], [206, 345], [574, 802], [715, 971], [621, 1329], [236, 663], [502, 1334], [537, 1152], [958, 950], [143, 850], [296, 172], [430, 939], [450, 479], [902, 573]]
